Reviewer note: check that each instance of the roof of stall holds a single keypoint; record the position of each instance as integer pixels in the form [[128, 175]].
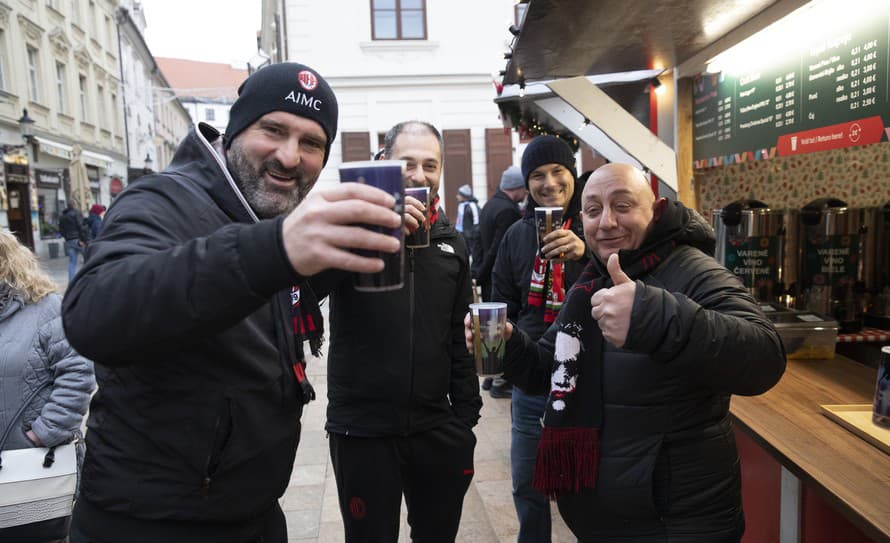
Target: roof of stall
[[567, 38]]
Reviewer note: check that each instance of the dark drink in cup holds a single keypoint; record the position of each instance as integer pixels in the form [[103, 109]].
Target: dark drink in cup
[[489, 324], [421, 236], [386, 175], [547, 219]]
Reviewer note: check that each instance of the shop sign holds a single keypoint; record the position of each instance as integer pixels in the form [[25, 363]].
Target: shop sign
[[115, 186], [49, 178]]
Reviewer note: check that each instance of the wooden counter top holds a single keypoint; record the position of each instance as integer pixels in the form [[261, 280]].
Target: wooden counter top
[[853, 475]]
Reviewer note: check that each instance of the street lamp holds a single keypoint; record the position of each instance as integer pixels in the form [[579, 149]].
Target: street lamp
[[26, 126]]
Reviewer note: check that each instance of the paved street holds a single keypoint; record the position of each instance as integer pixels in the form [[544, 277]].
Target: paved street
[[310, 502]]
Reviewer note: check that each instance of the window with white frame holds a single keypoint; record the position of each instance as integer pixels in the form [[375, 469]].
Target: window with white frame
[[398, 19], [75, 11], [82, 86], [100, 106], [115, 115], [209, 114], [3, 82], [33, 73], [61, 81]]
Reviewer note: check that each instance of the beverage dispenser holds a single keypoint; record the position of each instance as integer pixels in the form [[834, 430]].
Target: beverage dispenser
[[832, 239], [751, 244]]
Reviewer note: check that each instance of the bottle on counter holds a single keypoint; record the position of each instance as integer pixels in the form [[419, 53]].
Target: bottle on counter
[[881, 415]]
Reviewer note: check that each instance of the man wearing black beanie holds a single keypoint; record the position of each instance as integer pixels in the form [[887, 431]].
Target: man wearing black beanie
[[534, 284], [198, 277]]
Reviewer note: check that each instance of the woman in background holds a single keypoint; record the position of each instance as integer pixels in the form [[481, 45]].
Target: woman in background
[[34, 351]]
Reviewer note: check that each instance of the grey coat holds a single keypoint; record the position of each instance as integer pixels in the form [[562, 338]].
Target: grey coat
[[33, 350]]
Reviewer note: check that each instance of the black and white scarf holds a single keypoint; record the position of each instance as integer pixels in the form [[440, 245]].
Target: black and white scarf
[[568, 453]]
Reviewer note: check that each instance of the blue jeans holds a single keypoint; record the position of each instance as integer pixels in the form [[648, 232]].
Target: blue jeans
[[532, 507], [72, 249]]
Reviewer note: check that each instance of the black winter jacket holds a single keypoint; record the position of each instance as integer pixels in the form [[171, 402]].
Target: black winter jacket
[[669, 468], [397, 362], [184, 305], [498, 214], [71, 226], [512, 274]]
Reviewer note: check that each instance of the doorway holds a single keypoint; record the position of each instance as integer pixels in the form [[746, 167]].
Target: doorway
[[19, 212]]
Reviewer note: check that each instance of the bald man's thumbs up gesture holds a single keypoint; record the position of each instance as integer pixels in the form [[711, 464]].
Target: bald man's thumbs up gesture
[[611, 307]]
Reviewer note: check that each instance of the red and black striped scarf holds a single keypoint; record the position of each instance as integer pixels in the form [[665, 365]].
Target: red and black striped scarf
[[568, 453], [308, 325], [547, 286]]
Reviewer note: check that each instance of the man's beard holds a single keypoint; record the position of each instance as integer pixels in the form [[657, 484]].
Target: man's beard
[[265, 200]]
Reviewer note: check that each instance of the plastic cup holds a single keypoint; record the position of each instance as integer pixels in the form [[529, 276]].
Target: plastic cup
[[547, 219], [421, 237], [489, 323], [386, 175]]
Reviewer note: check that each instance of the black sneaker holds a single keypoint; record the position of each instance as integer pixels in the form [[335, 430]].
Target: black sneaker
[[501, 389], [486, 383]]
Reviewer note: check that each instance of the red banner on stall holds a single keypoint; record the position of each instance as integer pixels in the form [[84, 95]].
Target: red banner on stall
[[853, 133]]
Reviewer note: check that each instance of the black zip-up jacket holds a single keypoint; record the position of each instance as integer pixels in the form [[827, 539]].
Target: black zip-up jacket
[[184, 306], [498, 213], [397, 362], [71, 226]]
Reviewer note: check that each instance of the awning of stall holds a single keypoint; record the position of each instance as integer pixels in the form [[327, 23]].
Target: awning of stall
[[570, 43], [568, 38]]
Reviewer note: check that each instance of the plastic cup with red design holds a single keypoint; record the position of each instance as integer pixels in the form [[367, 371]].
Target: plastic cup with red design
[[547, 219], [386, 175], [421, 237], [489, 324]]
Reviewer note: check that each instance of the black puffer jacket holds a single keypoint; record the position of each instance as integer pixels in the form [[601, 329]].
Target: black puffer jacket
[[184, 306], [497, 215], [397, 357], [669, 468]]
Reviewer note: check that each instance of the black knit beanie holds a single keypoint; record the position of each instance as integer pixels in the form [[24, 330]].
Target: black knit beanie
[[547, 150], [289, 87]]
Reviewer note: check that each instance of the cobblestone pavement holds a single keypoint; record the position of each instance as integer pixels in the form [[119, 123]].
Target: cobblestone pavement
[[310, 502]]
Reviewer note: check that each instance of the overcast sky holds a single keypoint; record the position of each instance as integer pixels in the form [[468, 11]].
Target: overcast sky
[[207, 30]]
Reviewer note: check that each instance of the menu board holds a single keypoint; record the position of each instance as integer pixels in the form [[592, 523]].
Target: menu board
[[834, 92]]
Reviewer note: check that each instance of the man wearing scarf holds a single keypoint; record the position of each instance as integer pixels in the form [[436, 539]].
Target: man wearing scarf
[[403, 394], [640, 365], [533, 284]]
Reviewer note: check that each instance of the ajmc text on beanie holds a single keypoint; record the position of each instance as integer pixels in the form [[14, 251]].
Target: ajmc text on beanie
[[547, 150], [289, 87]]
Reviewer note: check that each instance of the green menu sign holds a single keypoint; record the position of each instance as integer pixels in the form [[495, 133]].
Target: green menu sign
[[832, 92], [754, 260]]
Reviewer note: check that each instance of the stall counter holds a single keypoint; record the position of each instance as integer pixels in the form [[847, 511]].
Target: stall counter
[[817, 457]]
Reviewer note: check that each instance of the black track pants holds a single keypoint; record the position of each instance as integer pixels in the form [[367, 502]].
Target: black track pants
[[432, 468]]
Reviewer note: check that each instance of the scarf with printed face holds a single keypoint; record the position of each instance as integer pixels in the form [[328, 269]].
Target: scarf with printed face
[[568, 452], [547, 286]]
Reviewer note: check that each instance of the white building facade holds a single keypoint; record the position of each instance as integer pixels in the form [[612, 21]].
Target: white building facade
[[155, 119], [59, 61], [406, 60]]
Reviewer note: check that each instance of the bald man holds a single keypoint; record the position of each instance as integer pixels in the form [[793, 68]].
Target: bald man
[[640, 365]]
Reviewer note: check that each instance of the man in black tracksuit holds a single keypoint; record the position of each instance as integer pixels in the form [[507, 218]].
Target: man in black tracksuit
[[403, 395], [189, 304]]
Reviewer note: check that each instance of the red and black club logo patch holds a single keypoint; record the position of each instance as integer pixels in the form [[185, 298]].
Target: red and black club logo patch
[[307, 80]]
